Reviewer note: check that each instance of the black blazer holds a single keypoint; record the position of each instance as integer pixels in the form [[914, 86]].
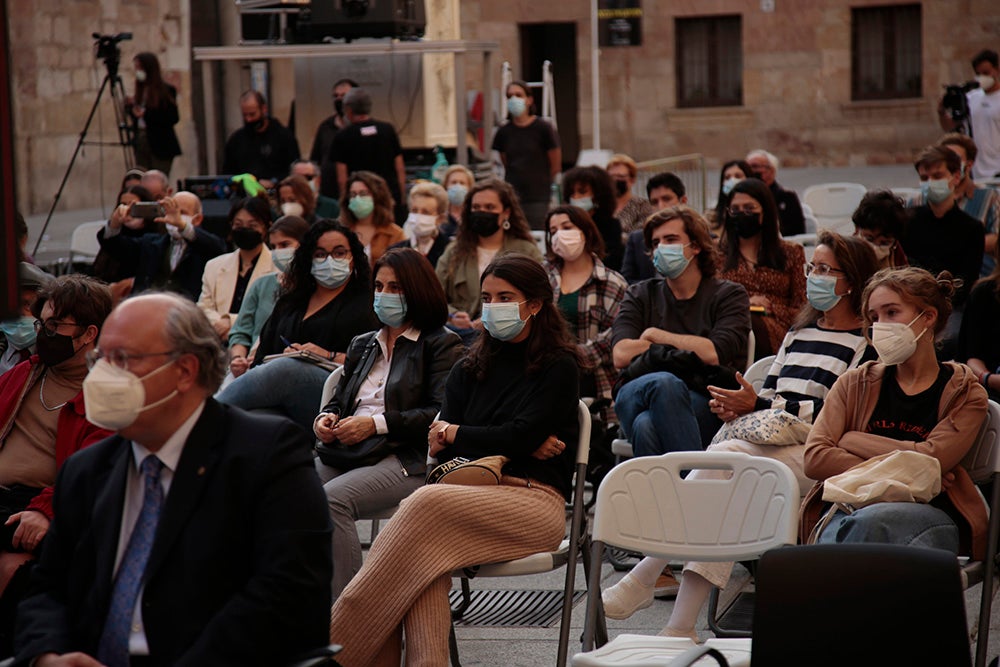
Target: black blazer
[[413, 391], [148, 259], [160, 121], [637, 265], [241, 564]]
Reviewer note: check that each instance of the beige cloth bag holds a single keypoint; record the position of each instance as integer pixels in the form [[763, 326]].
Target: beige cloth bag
[[902, 476]]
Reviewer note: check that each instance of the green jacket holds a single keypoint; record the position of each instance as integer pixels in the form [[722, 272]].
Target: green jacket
[[461, 283]]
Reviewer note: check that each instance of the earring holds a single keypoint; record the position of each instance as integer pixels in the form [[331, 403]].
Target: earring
[[506, 224]]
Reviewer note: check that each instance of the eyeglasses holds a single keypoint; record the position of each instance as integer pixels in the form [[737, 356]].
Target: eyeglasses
[[51, 326], [737, 210], [820, 269], [121, 358], [340, 252]]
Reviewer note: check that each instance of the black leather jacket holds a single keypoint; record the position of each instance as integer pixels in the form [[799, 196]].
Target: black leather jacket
[[414, 389]]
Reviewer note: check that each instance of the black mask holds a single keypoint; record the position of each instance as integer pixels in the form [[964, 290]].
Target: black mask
[[338, 105], [746, 225], [621, 187], [484, 223], [246, 238], [254, 125], [53, 350]]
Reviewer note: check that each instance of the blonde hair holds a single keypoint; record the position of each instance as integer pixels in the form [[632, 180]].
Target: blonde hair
[[625, 161], [459, 168], [435, 192]]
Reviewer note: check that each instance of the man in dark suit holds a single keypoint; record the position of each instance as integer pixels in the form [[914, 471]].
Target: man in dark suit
[[198, 535], [173, 261]]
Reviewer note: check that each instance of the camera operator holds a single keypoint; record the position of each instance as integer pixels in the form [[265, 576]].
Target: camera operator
[[984, 114]]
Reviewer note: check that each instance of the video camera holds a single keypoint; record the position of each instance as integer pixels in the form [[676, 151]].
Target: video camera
[[107, 49], [954, 101]]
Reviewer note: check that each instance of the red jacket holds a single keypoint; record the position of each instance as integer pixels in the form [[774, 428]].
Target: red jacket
[[73, 431]]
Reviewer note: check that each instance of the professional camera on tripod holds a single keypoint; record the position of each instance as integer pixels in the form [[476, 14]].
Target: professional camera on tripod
[[956, 105]]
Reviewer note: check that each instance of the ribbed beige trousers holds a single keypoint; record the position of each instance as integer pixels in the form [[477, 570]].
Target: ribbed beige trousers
[[404, 583]]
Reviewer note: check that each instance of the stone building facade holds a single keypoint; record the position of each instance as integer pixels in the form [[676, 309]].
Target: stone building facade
[[796, 70]]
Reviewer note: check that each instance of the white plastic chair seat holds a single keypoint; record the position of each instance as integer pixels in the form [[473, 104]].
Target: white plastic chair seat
[[757, 372], [622, 448], [533, 564], [646, 651], [83, 244]]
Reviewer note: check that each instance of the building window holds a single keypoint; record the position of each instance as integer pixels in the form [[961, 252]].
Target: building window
[[885, 52], [709, 61]]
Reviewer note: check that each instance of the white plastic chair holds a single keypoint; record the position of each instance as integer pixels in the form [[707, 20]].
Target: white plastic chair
[[539, 237], [83, 244], [645, 505], [833, 204], [548, 561], [757, 372], [906, 194], [983, 465], [330, 386]]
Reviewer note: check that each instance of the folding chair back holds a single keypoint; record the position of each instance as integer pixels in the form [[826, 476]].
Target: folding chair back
[[833, 204], [330, 387], [757, 372]]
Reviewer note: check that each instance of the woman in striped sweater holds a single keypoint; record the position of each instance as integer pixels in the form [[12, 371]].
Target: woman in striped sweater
[[825, 341]]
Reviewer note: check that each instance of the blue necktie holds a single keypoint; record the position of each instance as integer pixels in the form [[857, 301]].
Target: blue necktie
[[113, 647]]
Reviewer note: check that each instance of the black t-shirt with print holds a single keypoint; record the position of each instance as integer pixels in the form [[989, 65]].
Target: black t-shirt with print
[[902, 417]]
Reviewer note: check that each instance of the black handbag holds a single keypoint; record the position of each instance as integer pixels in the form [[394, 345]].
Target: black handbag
[[347, 457], [686, 365]]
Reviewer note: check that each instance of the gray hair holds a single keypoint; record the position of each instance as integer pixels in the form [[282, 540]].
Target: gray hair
[[358, 101], [771, 158], [296, 163], [190, 332]]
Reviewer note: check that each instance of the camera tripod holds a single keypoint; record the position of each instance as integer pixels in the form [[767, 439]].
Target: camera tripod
[[107, 49]]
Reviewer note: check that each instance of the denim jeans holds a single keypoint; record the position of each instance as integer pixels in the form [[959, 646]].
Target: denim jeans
[[910, 524], [290, 386], [659, 414]]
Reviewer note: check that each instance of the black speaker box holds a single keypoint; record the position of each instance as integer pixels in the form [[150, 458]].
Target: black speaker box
[[351, 19]]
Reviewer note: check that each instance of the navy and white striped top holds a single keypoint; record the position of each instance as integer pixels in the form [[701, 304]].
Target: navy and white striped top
[[809, 362]]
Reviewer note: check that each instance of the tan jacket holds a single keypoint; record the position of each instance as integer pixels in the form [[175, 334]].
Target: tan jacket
[[838, 442], [218, 282]]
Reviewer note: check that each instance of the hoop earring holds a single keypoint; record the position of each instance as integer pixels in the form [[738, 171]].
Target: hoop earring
[[506, 224]]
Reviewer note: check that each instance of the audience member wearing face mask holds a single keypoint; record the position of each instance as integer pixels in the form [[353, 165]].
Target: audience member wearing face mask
[[284, 238], [458, 181], [424, 225], [591, 189], [880, 220], [755, 256], [226, 279], [296, 198], [587, 294], [17, 334], [530, 152], [325, 302], [366, 208], [908, 401], [732, 172], [630, 210]]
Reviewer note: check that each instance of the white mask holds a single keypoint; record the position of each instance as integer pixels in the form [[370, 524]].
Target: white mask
[[568, 243], [985, 81], [115, 397], [292, 208], [420, 225], [140, 75], [895, 342], [281, 257]]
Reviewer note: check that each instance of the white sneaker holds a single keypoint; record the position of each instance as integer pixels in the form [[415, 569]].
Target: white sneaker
[[625, 598]]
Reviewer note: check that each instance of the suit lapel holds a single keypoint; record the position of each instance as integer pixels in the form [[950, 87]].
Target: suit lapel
[[107, 512], [200, 454]]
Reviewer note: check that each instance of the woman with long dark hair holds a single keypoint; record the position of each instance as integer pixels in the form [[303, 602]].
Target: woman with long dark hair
[[492, 225], [515, 395], [325, 302], [154, 108], [373, 432], [755, 256], [590, 188], [732, 172]]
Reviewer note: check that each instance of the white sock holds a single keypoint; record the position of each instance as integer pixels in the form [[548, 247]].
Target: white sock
[[691, 597], [648, 569]]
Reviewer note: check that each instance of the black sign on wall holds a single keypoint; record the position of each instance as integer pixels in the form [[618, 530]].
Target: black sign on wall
[[619, 22]]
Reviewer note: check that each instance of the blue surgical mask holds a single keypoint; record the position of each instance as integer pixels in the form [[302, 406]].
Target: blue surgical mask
[[729, 184], [331, 273], [503, 320], [390, 309], [935, 190], [20, 332], [361, 206], [586, 203], [821, 291], [516, 106], [456, 194], [669, 259], [280, 257]]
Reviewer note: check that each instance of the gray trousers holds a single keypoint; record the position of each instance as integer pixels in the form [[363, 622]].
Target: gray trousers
[[356, 494]]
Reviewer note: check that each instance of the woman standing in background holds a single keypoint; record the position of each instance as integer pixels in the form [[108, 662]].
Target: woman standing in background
[[154, 108]]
